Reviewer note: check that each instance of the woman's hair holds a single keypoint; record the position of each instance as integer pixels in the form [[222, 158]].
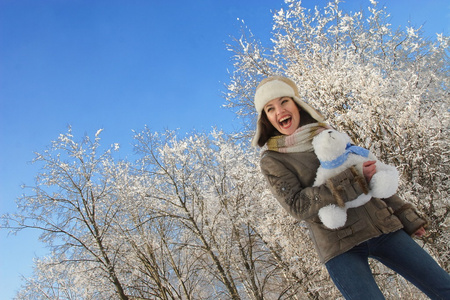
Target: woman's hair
[[268, 131]]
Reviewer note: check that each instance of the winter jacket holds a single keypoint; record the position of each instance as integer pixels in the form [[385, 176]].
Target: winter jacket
[[291, 176]]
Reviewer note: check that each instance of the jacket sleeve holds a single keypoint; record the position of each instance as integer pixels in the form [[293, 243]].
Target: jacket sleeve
[[304, 202], [407, 214]]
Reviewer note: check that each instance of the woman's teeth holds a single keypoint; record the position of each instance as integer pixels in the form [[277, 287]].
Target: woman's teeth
[[285, 121]]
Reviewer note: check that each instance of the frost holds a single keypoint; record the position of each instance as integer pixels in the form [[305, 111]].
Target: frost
[[98, 132], [411, 32]]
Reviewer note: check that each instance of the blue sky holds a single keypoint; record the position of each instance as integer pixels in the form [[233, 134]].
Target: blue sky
[[121, 65]]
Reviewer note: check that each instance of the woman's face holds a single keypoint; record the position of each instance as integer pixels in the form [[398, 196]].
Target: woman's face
[[283, 114]]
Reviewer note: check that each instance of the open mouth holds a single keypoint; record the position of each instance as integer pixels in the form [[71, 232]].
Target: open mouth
[[285, 122]]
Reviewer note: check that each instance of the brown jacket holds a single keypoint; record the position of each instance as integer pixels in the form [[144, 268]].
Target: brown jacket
[[291, 176]]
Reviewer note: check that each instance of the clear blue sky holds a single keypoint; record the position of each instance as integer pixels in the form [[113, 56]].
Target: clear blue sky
[[121, 65]]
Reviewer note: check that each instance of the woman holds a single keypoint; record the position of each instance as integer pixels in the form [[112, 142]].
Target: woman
[[380, 229]]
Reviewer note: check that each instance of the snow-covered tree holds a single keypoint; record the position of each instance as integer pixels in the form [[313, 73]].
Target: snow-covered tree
[[210, 187], [56, 280], [73, 207], [389, 89]]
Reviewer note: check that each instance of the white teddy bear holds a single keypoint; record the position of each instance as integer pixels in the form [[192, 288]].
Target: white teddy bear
[[336, 154]]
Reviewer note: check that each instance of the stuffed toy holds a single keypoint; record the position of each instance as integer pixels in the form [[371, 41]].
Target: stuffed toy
[[336, 154]]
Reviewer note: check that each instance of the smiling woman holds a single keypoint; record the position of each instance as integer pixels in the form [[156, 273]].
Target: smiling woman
[[380, 229]]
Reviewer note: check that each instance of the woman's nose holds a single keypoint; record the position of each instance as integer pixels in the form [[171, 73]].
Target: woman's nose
[[279, 110]]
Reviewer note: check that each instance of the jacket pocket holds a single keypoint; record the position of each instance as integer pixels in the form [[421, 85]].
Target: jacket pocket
[[346, 232]]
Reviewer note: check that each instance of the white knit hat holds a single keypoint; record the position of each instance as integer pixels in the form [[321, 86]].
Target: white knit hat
[[275, 87]]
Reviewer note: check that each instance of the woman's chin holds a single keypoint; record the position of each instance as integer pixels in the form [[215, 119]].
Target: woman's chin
[[287, 131]]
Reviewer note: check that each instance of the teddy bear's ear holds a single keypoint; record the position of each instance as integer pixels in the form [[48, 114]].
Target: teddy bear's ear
[[318, 138], [347, 137]]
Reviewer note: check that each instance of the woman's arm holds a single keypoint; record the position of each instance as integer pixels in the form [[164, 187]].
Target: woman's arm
[[304, 202], [407, 214]]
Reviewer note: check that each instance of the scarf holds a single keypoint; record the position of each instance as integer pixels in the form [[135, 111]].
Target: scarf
[[331, 164], [299, 141]]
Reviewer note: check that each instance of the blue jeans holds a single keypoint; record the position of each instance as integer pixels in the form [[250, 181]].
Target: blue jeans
[[351, 273]]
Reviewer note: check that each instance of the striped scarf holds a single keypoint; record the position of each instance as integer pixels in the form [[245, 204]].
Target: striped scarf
[[299, 141]]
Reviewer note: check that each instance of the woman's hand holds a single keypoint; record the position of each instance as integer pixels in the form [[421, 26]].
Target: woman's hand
[[369, 169], [420, 232]]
